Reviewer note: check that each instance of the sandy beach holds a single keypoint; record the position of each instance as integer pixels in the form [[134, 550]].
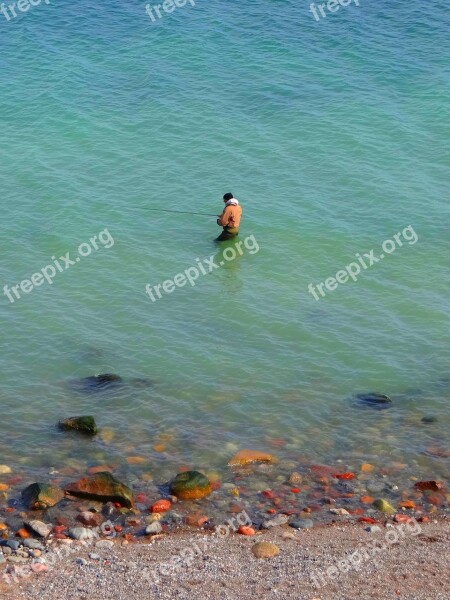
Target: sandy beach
[[311, 565]]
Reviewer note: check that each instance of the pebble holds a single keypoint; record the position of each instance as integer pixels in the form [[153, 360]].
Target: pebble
[[33, 544], [105, 544], [4, 470], [17, 559], [384, 506], [302, 524], [94, 556], [7, 551], [374, 487], [38, 567], [373, 529], [81, 533], [265, 550], [275, 522], [42, 529], [2, 558], [81, 561], [153, 528], [89, 518], [295, 478], [339, 511], [13, 544]]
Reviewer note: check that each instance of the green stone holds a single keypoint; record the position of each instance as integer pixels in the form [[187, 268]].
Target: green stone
[[39, 496], [190, 485], [384, 506], [85, 424]]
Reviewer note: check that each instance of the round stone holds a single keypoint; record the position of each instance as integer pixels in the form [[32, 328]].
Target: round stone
[[265, 550]]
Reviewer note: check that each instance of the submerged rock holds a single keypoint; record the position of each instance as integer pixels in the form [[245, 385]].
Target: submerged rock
[[103, 487], [82, 533], [153, 528], [433, 486], [246, 457], [429, 419], [384, 506], [5, 470], [374, 400], [275, 522], [39, 528], [96, 383], [84, 424], [39, 496], [190, 485]]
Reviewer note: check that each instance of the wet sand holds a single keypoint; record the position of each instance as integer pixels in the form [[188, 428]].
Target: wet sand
[[416, 566]]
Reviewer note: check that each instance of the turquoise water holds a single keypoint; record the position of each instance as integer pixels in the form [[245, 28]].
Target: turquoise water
[[334, 136]]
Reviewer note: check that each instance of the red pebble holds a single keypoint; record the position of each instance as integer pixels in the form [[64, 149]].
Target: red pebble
[[59, 528], [366, 520], [344, 475], [399, 518], [118, 528], [271, 511], [268, 494], [141, 498], [356, 511], [60, 536], [160, 506], [296, 490]]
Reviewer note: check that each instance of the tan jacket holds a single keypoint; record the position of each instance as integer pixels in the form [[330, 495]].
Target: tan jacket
[[231, 216]]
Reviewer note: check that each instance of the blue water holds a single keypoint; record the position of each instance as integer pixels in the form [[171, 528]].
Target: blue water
[[334, 136]]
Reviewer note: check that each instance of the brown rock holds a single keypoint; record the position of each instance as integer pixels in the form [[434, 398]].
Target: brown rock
[[265, 550], [246, 457], [103, 487], [295, 478], [196, 520], [434, 486]]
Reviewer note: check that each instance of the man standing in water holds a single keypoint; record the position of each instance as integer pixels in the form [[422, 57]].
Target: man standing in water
[[230, 218]]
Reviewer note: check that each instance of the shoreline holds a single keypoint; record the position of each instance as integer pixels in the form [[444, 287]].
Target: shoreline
[[311, 564]]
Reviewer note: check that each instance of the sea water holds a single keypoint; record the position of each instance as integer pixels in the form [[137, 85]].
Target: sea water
[[332, 133]]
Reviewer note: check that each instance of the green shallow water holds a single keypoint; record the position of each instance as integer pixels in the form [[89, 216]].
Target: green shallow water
[[333, 135]]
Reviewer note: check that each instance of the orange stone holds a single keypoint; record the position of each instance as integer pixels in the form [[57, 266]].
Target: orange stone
[[247, 457], [23, 533], [136, 460], [367, 468], [407, 504], [4, 487], [367, 499], [399, 518], [344, 475], [160, 506], [244, 530], [159, 448], [196, 520]]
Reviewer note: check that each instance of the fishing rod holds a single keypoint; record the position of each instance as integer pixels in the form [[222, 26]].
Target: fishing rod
[[182, 212]]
